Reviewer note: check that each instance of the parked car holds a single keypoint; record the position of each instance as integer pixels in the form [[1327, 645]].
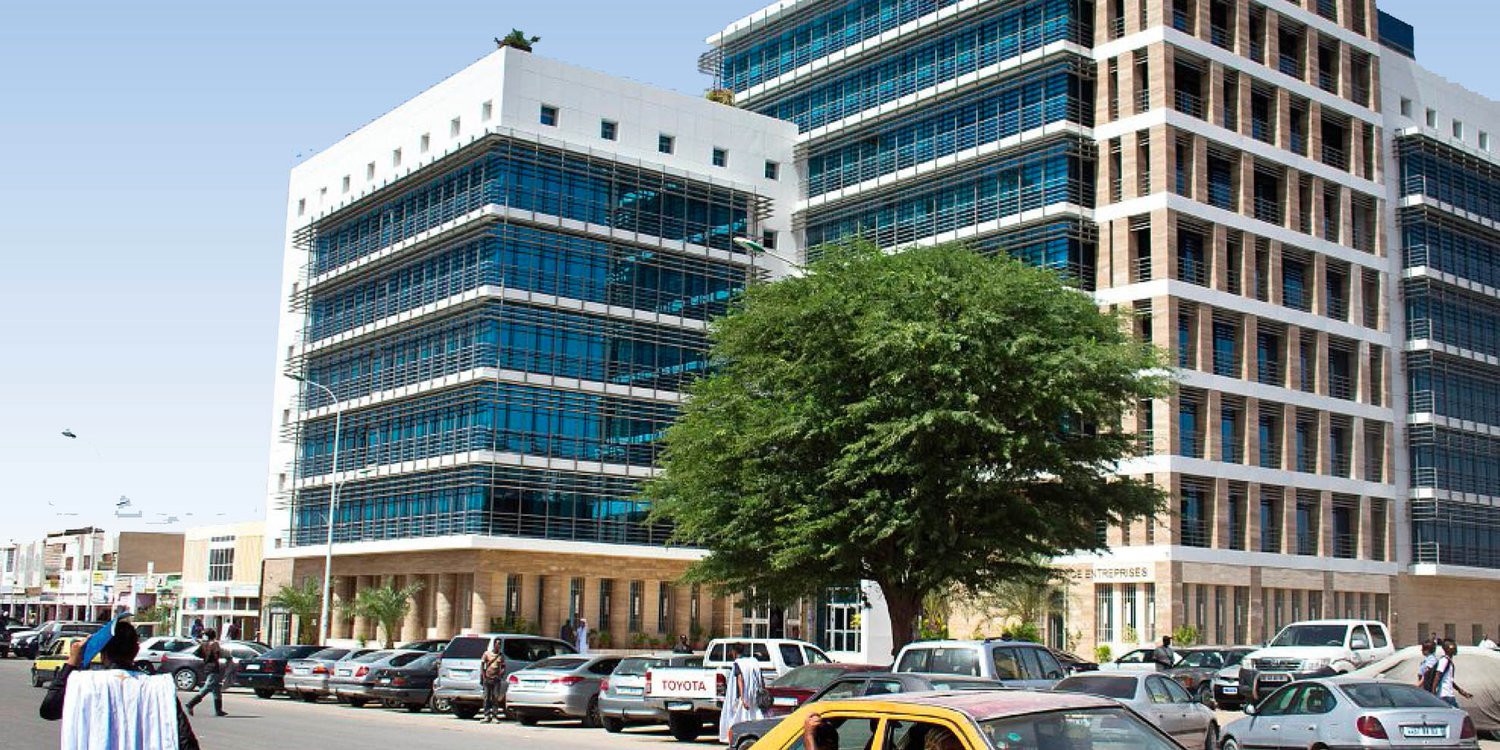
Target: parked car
[[187, 668], [562, 687], [458, 675], [794, 688], [8, 632], [622, 697], [1316, 648], [152, 648], [264, 674], [1196, 667], [308, 678], [858, 685], [409, 685], [978, 720], [353, 680], [1351, 712], [1016, 663], [1162, 701], [694, 697], [434, 646], [1073, 663], [1135, 659], [45, 667], [1227, 695], [1478, 672], [28, 643]]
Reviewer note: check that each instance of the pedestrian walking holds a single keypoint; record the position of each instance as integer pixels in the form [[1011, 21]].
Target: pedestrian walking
[[492, 677], [117, 706], [682, 647], [1447, 668], [567, 634], [1426, 677], [1163, 656], [1485, 642], [745, 693], [216, 666], [581, 634], [232, 632], [197, 629]]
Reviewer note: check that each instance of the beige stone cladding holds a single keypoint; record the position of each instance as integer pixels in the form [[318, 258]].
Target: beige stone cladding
[[467, 591], [1461, 608]]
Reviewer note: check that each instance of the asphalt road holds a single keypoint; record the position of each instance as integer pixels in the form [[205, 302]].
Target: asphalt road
[[281, 724]]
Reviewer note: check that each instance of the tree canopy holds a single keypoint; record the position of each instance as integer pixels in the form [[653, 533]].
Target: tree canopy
[[930, 419], [303, 603], [386, 605]]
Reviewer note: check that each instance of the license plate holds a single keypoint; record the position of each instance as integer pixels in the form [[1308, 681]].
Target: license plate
[[783, 701], [460, 674], [679, 705], [385, 680], [252, 667], [344, 673], [630, 691], [1276, 678], [301, 671], [1230, 690], [1425, 730]]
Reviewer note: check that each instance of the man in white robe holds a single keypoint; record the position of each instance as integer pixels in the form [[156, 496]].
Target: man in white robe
[[582, 634], [742, 698]]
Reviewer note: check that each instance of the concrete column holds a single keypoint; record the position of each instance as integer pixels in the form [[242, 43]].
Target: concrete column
[[1251, 418], [1366, 535], [1214, 101], [1325, 524], [363, 628], [338, 625], [1220, 511], [446, 584], [1212, 448], [414, 628], [1218, 256], [1252, 517], [479, 608]]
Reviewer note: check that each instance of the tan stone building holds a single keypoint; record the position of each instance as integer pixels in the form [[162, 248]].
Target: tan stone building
[[221, 579]]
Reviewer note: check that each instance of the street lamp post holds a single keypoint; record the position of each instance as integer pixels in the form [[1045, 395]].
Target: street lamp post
[[333, 504], [753, 248]]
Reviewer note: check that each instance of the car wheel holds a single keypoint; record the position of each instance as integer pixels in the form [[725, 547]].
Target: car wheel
[[1229, 743], [358, 702], [746, 743], [1211, 737], [414, 708], [441, 705], [685, 728], [465, 711], [591, 718], [186, 679], [527, 719], [264, 693], [612, 725], [1205, 695]]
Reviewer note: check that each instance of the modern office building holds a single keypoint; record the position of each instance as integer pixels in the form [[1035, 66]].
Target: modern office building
[[503, 284], [1211, 165], [1444, 186]]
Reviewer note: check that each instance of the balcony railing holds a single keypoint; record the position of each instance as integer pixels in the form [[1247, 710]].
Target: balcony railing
[[1117, 28], [1345, 546], [1270, 373], [1335, 157], [1140, 270], [1297, 141], [1192, 271], [1226, 364], [1339, 386], [1270, 456], [1338, 308], [1268, 210], [1270, 539], [1220, 37], [1221, 194], [1289, 65], [1328, 81], [1360, 93], [1188, 103], [1307, 543], [1116, 189], [1307, 461], [1262, 130], [1340, 464], [1374, 467], [1231, 114], [1181, 22], [1142, 100], [1194, 532], [1329, 10], [1145, 442], [1258, 52], [1232, 454]]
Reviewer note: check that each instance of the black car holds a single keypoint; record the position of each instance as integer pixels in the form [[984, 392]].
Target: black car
[[430, 646], [1073, 663], [5, 632], [409, 686], [264, 673], [858, 684]]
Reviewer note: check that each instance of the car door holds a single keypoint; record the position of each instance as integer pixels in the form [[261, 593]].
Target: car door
[[1191, 715], [1305, 715], [1359, 645], [1266, 725], [1163, 711]]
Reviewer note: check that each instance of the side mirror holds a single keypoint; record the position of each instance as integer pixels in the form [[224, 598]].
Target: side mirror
[[1249, 709]]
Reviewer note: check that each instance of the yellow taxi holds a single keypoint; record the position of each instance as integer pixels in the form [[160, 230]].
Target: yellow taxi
[[47, 665], [968, 720]]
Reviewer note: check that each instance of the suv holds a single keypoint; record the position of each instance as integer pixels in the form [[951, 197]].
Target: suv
[[1316, 648], [458, 676], [1015, 663]]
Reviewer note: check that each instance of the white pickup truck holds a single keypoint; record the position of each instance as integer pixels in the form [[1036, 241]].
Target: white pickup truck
[[692, 698]]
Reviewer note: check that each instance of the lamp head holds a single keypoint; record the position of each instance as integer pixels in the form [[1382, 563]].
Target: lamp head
[[69, 434]]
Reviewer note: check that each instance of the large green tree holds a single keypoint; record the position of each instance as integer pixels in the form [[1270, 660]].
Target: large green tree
[[930, 419]]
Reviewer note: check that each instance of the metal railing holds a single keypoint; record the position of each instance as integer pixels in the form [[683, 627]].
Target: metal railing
[[1116, 189], [1270, 373], [1231, 114], [1194, 532], [1221, 194], [1117, 28], [1258, 52], [1231, 453], [1345, 546], [1268, 210], [1226, 364], [482, 523], [1145, 442], [1328, 81], [1297, 142], [1220, 37], [1338, 307], [1335, 157], [1340, 465], [1181, 22], [1289, 65], [1192, 271], [1341, 387], [1270, 538], [1307, 543], [1140, 270], [1262, 130], [1188, 103], [1142, 100], [1360, 93], [1307, 461], [1329, 10]]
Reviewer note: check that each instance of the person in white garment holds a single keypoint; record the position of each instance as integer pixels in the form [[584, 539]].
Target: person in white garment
[[1485, 642], [582, 634], [743, 697]]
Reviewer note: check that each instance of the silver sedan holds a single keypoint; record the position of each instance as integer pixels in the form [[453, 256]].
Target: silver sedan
[[1349, 712], [560, 687], [1161, 701]]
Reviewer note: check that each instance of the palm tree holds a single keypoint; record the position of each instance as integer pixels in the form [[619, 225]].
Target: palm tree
[[517, 39], [303, 602], [1024, 600], [386, 605]]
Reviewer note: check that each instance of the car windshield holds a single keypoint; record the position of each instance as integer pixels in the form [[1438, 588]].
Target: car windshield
[[330, 654], [372, 657], [426, 661], [173, 647], [466, 648], [401, 660], [1119, 688], [1311, 635], [807, 678], [284, 652], [1233, 658], [560, 663], [1076, 729], [1201, 660], [1390, 695], [636, 667]]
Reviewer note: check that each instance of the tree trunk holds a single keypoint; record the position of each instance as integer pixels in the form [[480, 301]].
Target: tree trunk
[[905, 606]]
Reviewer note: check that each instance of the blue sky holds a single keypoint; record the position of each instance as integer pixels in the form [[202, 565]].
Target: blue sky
[[144, 187]]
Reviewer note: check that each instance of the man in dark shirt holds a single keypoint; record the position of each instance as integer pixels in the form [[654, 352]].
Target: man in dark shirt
[[213, 670]]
